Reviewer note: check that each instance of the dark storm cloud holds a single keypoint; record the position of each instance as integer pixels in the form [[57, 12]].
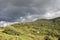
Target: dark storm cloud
[[27, 10]]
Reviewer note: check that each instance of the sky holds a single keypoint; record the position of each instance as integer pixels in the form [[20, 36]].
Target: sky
[[28, 10]]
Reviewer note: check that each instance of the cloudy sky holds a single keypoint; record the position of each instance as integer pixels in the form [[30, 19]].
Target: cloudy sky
[[28, 10]]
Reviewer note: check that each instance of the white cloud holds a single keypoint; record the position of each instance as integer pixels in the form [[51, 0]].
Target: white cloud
[[3, 23], [51, 14]]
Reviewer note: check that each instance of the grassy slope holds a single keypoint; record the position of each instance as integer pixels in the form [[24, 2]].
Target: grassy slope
[[38, 30]]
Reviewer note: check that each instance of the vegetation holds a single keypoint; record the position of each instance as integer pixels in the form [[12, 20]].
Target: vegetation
[[43, 29]]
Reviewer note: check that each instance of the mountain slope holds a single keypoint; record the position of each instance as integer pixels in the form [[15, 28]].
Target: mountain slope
[[43, 29]]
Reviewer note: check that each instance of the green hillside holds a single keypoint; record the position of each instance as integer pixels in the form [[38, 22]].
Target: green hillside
[[43, 29]]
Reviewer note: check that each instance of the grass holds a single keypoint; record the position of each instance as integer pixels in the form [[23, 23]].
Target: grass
[[38, 30]]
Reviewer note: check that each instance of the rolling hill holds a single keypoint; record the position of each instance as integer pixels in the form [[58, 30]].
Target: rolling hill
[[41, 29]]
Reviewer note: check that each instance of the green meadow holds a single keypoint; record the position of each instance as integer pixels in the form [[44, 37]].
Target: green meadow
[[41, 29]]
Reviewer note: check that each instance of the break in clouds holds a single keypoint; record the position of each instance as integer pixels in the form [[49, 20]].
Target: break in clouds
[[28, 10]]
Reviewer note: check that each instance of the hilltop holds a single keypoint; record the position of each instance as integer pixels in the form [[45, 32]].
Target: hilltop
[[41, 29]]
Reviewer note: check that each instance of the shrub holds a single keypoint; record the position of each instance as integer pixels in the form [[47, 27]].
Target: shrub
[[11, 32], [47, 38]]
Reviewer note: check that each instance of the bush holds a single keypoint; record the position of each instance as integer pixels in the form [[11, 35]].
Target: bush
[[11, 32], [47, 38]]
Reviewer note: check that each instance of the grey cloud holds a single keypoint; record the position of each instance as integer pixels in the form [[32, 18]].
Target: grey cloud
[[13, 10]]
